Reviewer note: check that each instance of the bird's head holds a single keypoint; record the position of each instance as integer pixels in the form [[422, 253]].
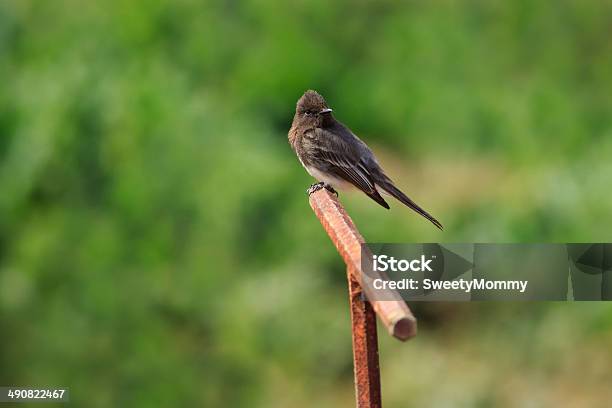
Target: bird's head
[[312, 110]]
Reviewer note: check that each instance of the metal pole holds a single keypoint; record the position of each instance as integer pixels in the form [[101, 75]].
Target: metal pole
[[365, 348], [393, 312]]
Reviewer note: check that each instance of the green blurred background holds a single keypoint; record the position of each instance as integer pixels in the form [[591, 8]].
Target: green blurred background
[[156, 243]]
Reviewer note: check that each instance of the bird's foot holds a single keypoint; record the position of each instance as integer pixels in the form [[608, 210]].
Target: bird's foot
[[317, 186]]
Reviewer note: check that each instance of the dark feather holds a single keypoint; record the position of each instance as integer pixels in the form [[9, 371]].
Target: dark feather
[[335, 156], [397, 193]]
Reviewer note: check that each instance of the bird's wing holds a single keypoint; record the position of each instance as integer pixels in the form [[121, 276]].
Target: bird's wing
[[339, 158], [344, 155], [343, 160]]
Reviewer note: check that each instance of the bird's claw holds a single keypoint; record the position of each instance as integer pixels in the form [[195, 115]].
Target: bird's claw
[[317, 186]]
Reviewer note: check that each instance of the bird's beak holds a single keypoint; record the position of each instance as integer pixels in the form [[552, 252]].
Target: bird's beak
[[327, 110]]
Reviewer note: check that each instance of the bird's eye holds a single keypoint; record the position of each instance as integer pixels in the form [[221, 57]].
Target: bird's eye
[[309, 112]]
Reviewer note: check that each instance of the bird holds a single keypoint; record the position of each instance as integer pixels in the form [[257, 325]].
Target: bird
[[331, 153]]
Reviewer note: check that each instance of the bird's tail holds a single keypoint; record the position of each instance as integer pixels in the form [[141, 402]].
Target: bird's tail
[[390, 188]]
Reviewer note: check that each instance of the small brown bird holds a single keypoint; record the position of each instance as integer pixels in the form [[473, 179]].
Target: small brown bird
[[332, 154]]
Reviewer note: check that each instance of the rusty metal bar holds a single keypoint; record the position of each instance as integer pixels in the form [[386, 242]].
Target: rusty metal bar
[[394, 313], [365, 347]]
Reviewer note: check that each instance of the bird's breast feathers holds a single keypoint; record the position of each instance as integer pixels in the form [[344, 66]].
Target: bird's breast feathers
[[336, 183]]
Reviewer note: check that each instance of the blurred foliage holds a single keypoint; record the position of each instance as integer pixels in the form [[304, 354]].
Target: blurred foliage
[[156, 245]]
